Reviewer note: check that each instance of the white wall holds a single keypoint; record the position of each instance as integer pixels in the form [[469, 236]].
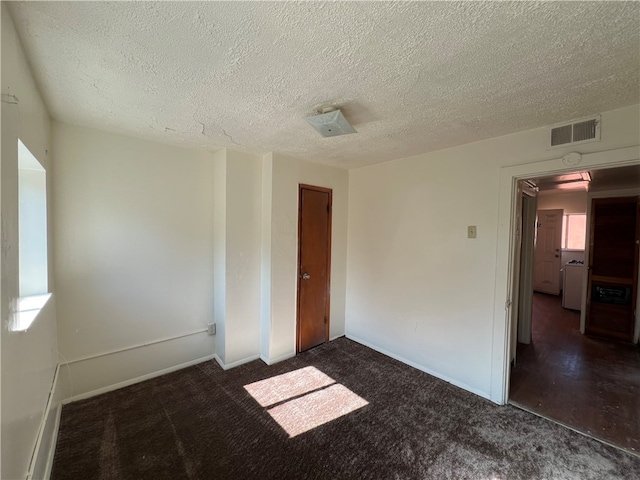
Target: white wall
[[570, 202], [155, 242], [244, 195], [418, 289], [286, 175], [133, 255], [28, 359], [238, 245], [265, 252], [220, 249]]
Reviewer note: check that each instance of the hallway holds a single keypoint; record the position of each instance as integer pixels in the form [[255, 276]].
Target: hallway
[[589, 384]]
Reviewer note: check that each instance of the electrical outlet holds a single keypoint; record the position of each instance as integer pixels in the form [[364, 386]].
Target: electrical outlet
[[211, 329], [471, 231]]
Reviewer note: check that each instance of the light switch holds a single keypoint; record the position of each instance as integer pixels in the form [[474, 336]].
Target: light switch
[[471, 231]]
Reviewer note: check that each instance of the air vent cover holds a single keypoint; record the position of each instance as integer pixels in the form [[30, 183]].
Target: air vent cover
[[580, 131]]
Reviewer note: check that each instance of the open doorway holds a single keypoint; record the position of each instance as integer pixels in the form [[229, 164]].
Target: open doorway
[[586, 382]]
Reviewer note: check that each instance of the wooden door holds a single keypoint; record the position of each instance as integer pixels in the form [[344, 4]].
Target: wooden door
[[546, 269], [314, 261], [613, 267]]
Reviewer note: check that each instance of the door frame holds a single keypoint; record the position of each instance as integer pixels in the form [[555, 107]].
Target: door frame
[[525, 292], [523, 271], [505, 258], [304, 186]]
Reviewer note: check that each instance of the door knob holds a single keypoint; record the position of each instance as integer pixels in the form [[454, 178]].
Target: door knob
[[557, 256], [305, 276]]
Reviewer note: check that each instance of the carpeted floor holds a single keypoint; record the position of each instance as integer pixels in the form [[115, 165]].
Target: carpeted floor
[[261, 422]]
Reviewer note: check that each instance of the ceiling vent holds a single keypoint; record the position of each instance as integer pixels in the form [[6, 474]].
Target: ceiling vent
[[580, 131]]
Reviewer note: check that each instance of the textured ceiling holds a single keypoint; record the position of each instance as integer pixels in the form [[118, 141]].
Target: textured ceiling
[[411, 77]]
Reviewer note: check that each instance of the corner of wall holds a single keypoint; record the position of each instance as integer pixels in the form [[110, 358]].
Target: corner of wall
[[265, 252], [29, 361], [219, 246]]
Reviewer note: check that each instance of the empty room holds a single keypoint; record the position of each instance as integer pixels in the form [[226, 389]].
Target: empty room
[[301, 240]]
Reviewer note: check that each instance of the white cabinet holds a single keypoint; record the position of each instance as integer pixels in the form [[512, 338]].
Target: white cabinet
[[572, 293]]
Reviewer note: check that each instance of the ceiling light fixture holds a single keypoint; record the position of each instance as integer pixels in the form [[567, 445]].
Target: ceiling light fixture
[[330, 122]]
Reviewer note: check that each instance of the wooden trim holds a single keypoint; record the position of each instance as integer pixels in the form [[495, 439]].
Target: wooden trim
[[329, 238], [636, 266], [300, 188], [618, 280], [304, 186], [614, 199], [599, 332], [589, 263]]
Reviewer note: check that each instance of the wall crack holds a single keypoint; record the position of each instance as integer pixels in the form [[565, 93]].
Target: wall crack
[[10, 99]]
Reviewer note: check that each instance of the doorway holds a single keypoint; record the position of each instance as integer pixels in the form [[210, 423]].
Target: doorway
[[585, 382], [314, 265]]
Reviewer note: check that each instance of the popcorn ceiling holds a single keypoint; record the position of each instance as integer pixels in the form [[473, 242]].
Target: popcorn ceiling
[[410, 77]]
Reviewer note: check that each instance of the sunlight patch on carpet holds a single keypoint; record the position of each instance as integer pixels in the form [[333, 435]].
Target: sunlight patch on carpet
[[304, 399], [288, 385], [317, 408]]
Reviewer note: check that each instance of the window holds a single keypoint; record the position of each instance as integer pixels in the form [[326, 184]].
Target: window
[[574, 231], [32, 237]]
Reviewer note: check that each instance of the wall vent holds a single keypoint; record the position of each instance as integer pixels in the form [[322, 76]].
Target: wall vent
[[579, 131]]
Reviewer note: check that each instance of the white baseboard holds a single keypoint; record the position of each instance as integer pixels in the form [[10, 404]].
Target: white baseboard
[[44, 449], [272, 361], [287, 356], [227, 366], [462, 385], [219, 360], [87, 376], [52, 451], [139, 379]]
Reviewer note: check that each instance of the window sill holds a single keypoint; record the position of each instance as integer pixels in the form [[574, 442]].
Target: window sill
[[28, 310]]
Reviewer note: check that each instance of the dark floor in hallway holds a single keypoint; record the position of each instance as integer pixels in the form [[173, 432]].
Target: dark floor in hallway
[[590, 384]]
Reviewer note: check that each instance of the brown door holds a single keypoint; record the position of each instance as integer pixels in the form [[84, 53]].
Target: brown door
[[314, 253], [613, 267]]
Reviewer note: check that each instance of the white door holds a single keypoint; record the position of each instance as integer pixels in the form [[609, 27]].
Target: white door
[[546, 269], [515, 297], [522, 295], [525, 301]]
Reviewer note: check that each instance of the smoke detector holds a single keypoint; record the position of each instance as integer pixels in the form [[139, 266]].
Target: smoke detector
[[330, 122]]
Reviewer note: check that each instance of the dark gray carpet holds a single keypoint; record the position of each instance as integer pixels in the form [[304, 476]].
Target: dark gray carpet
[[201, 423]]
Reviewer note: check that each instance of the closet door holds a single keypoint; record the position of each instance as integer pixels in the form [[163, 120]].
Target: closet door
[[613, 267]]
